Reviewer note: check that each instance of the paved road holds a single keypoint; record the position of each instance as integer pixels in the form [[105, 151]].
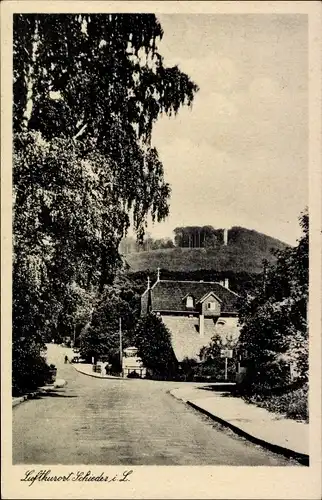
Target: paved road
[[129, 422]]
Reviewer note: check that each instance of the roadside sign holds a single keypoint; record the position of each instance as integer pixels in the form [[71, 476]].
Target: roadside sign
[[226, 353]]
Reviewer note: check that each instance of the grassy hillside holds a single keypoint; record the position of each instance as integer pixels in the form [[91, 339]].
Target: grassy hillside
[[244, 253]]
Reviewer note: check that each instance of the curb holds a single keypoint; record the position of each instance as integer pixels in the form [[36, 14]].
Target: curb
[[17, 401], [21, 399], [302, 458], [97, 376]]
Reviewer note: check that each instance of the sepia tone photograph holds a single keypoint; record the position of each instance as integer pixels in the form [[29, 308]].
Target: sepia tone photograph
[[160, 242]]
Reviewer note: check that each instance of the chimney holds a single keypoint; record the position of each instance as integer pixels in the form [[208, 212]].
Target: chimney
[[225, 236], [149, 303], [226, 283], [201, 325]]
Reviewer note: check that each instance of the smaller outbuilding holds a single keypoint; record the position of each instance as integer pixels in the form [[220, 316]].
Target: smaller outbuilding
[[132, 364]]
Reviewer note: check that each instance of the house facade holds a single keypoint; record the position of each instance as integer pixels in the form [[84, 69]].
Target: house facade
[[193, 311]]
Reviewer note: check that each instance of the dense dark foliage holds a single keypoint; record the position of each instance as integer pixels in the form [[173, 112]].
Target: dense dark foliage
[[291, 403], [29, 367], [101, 337], [274, 334], [197, 237], [153, 341]]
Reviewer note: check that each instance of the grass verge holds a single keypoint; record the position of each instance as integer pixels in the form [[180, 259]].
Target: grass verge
[[293, 404]]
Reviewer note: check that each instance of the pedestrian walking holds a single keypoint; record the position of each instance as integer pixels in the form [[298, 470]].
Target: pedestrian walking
[[66, 359]]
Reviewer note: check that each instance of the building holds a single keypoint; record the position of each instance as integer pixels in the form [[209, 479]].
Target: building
[[193, 311], [131, 363]]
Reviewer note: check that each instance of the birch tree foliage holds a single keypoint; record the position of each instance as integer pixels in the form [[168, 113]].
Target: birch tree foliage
[[66, 229], [99, 79], [87, 90]]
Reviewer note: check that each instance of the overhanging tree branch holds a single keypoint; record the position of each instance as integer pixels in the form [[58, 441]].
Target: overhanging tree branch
[[80, 132]]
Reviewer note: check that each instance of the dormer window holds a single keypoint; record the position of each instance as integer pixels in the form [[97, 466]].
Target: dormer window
[[189, 301]]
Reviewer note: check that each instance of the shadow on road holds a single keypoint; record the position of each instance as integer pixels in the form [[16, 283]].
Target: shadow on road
[[218, 388], [54, 394]]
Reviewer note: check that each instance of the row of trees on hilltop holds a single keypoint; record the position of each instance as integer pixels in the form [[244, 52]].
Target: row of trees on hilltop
[[197, 236], [184, 237], [203, 237], [87, 90], [129, 244], [209, 237]]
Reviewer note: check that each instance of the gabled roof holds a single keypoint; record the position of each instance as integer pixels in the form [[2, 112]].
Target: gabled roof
[[202, 299], [167, 295], [186, 339]]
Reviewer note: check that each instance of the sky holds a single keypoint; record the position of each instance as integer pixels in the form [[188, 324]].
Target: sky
[[239, 156]]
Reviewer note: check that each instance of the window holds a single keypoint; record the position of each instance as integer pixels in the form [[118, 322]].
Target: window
[[189, 301], [211, 305]]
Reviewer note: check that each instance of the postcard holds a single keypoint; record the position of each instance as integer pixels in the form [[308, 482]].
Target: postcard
[[161, 250]]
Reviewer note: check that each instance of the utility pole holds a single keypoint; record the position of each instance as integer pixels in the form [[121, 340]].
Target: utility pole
[[226, 368], [121, 348]]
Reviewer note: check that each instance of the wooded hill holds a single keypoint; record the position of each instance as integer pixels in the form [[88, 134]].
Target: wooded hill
[[245, 252]]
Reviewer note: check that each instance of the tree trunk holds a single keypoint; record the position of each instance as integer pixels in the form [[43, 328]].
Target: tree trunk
[[30, 79]]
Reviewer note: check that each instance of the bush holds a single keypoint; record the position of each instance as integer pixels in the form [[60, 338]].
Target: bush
[[188, 368], [52, 374], [114, 361], [293, 404], [215, 370], [273, 320], [133, 375], [153, 341], [297, 407], [213, 365], [29, 371], [271, 377]]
